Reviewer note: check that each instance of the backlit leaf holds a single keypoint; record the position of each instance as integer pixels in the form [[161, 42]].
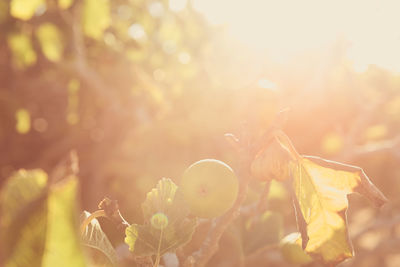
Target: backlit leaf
[[94, 237], [143, 240], [40, 223], [271, 162], [321, 195], [163, 200], [63, 247]]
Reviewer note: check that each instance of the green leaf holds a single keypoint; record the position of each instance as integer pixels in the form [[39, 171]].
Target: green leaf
[[96, 17], [94, 237], [50, 40], [24, 9], [23, 218], [164, 200], [63, 247], [144, 240]]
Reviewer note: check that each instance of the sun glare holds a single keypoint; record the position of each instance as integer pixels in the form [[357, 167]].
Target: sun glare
[[284, 29]]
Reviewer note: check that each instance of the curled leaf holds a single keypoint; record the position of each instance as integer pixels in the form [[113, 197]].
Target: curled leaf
[[94, 237], [271, 162], [320, 198]]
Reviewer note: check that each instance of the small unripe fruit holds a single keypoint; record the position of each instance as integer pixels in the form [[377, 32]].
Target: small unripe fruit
[[291, 249], [209, 187], [271, 163], [159, 221]]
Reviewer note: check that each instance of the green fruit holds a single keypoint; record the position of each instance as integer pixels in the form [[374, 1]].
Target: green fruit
[[291, 249], [209, 187]]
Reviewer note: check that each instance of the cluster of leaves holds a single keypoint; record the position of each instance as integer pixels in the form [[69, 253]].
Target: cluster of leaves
[[45, 214], [49, 103], [39, 224]]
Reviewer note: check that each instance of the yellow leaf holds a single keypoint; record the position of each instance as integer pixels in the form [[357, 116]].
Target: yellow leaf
[[24, 9], [320, 193], [50, 40], [23, 121], [22, 50], [96, 17], [63, 245], [323, 203], [23, 224]]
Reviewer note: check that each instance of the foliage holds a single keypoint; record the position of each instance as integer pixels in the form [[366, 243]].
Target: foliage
[[39, 222], [141, 89], [95, 238], [23, 210], [292, 251], [149, 239]]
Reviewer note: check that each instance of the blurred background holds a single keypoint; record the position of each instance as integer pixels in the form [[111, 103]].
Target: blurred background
[[143, 88]]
